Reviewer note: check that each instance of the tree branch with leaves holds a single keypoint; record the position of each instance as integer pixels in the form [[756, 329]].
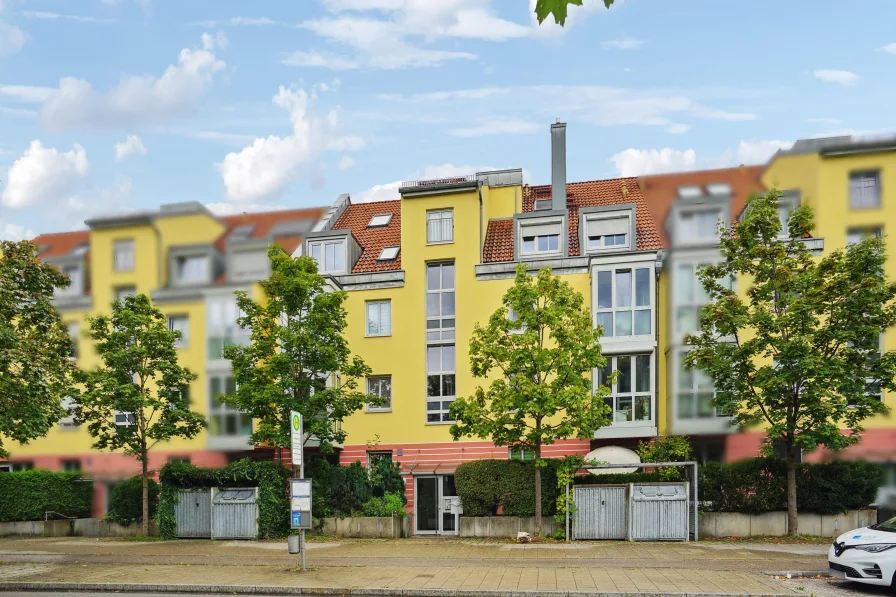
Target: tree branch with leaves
[[298, 358], [559, 9], [799, 352], [540, 366], [140, 395]]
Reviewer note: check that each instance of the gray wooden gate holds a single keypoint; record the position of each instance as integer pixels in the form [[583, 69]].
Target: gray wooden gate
[[600, 512], [193, 513]]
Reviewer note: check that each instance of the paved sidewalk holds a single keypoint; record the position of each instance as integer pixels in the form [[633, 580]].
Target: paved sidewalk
[[410, 566]]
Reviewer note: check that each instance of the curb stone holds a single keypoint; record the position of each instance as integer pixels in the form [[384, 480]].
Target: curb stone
[[361, 592]]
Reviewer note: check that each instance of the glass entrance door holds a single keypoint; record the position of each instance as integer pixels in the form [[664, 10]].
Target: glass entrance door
[[427, 505], [448, 518]]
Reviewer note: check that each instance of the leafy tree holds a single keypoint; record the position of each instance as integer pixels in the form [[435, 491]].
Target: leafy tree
[[559, 8], [35, 347], [798, 353], [297, 347], [139, 396], [539, 364], [672, 448]]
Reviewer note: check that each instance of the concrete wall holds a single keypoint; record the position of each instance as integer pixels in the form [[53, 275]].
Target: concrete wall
[[369, 527], [81, 527], [503, 526], [732, 524]]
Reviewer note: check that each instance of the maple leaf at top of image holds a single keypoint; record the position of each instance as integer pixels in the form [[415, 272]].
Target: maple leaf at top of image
[[559, 9]]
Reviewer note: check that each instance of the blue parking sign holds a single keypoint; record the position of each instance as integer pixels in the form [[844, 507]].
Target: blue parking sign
[[296, 519]]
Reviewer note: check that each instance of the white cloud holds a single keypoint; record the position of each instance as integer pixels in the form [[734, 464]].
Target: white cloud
[[678, 129], [44, 175], [758, 152], [624, 43], [210, 42], [438, 96], [55, 16], [704, 112], [635, 162], [264, 169], [375, 43], [239, 22], [18, 112], [889, 48], [345, 162], [12, 39], [132, 145], [25, 93], [497, 127], [840, 77], [15, 232], [137, 100], [238, 139], [230, 209], [380, 192]]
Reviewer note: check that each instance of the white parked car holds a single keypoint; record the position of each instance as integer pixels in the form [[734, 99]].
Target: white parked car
[[866, 555]]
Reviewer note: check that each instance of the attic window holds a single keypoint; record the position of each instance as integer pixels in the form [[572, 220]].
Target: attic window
[[690, 192], [81, 249], [541, 204], [388, 253], [719, 189], [380, 220]]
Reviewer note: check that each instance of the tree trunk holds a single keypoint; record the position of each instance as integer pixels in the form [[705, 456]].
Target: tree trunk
[[792, 529], [537, 488], [145, 529]]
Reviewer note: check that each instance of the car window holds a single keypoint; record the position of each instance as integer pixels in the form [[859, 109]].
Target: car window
[[889, 525]]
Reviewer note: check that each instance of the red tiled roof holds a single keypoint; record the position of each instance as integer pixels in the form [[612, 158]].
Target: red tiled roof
[[372, 240], [660, 190], [60, 244], [498, 244], [264, 221]]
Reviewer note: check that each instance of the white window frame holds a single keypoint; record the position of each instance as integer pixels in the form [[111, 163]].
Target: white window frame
[[379, 220], [75, 274], [617, 397], [389, 253], [184, 340], [373, 455], [520, 453], [536, 240], [321, 247], [694, 391], [374, 382], [378, 306], [436, 226], [67, 422], [446, 330], [860, 190], [441, 371], [181, 263], [863, 232], [601, 245], [223, 410], [225, 331], [121, 292], [695, 303], [597, 310], [124, 255], [690, 232], [124, 419]]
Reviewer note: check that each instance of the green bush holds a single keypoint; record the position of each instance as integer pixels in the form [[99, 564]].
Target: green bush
[[623, 478], [484, 485], [343, 490], [28, 495], [271, 478], [391, 504], [760, 485], [672, 448], [126, 501]]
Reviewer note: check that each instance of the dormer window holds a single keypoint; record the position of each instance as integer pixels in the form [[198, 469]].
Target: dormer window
[[702, 224], [540, 237], [329, 255], [192, 269], [690, 192], [388, 254], [719, 189], [380, 220], [544, 243], [607, 233]]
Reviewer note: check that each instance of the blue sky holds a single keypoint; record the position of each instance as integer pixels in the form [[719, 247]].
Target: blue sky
[[109, 105]]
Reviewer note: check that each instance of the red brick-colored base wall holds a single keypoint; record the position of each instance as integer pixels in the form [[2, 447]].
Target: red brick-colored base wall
[[443, 458], [877, 445]]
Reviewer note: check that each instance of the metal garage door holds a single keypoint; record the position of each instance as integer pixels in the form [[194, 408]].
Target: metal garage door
[[193, 513], [600, 512]]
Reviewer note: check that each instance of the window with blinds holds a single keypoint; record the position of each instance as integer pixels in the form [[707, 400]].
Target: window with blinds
[[440, 226], [607, 233], [540, 238]]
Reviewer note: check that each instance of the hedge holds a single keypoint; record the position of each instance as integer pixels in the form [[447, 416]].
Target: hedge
[[28, 495], [484, 485], [126, 501], [271, 478], [760, 485], [344, 490]]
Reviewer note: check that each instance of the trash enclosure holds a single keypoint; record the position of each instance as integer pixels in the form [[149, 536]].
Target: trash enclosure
[[193, 514], [217, 513]]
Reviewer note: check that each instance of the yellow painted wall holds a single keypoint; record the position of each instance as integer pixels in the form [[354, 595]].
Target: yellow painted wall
[[187, 229], [103, 278], [824, 185], [504, 202]]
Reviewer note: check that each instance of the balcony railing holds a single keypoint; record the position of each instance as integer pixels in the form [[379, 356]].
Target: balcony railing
[[432, 182]]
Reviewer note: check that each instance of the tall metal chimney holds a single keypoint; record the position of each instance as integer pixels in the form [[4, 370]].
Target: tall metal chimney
[[558, 165]]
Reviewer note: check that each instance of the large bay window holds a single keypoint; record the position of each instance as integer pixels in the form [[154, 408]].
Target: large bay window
[[623, 306], [631, 394], [440, 382], [689, 297], [440, 305], [440, 337], [694, 393]]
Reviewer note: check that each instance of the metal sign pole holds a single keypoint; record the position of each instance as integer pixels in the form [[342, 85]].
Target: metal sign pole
[[300, 490], [302, 532]]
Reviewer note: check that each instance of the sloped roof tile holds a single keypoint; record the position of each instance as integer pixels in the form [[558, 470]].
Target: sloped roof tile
[[356, 217]]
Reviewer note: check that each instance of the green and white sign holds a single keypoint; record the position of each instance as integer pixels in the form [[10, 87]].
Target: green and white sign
[[295, 427]]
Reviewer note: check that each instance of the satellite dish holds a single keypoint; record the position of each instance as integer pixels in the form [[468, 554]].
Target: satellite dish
[[613, 455]]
